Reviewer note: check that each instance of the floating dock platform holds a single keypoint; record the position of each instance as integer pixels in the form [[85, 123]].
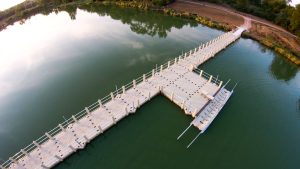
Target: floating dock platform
[[199, 94]]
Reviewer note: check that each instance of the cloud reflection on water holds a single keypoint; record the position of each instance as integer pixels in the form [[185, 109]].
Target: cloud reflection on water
[[24, 48], [28, 48]]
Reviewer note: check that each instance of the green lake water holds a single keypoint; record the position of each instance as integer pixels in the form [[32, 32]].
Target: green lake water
[[55, 64]]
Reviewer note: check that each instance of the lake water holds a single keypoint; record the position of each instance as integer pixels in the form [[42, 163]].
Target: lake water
[[56, 63]]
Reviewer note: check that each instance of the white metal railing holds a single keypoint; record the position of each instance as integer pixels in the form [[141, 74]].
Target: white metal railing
[[80, 115], [108, 97], [208, 76]]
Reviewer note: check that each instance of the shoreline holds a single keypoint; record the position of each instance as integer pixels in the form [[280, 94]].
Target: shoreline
[[181, 9], [275, 38]]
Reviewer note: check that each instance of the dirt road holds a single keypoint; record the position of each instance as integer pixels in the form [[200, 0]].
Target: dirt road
[[267, 33], [247, 17]]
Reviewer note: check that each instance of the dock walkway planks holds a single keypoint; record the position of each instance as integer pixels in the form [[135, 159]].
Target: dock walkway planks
[[196, 92]]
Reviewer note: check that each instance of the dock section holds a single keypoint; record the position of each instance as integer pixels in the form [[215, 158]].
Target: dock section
[[199, 94], [209, 113]]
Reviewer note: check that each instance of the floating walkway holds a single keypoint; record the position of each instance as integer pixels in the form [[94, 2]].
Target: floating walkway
[[196, 92]]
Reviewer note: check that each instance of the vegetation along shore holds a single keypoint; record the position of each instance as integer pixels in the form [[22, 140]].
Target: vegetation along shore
[[219, 14]]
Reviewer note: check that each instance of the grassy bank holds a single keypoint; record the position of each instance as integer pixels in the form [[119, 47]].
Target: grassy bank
[[199, 19], [274, 45], [267, 41]]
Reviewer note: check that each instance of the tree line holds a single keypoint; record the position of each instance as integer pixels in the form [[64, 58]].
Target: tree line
[[277, 11]]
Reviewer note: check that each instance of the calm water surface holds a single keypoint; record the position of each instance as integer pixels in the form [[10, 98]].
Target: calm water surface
[[53, 65]]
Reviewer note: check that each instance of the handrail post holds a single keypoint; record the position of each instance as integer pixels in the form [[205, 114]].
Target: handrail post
[[210, 78], [36, 144], [74, 118], [144, 78], [161, 68], [220, 84], [49, 136], [61, 127], [100, 103], [201, 73], [87, 110], [153, 73], [168, 64], [24, 152], [112, 96], [123, 89], [134, 83], [175, 60], [13, 160]]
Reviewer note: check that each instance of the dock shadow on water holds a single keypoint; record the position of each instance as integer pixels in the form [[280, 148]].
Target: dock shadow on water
[[258, 128]]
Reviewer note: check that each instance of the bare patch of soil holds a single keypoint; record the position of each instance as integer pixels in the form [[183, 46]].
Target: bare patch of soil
[[208, 12]]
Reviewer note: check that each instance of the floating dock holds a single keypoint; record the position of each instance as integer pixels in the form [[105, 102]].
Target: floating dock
[[199, 94]]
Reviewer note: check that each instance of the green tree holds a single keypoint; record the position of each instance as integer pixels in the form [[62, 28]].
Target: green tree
[[283, 18], [295, 21], [162, 2], [242, 4]]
